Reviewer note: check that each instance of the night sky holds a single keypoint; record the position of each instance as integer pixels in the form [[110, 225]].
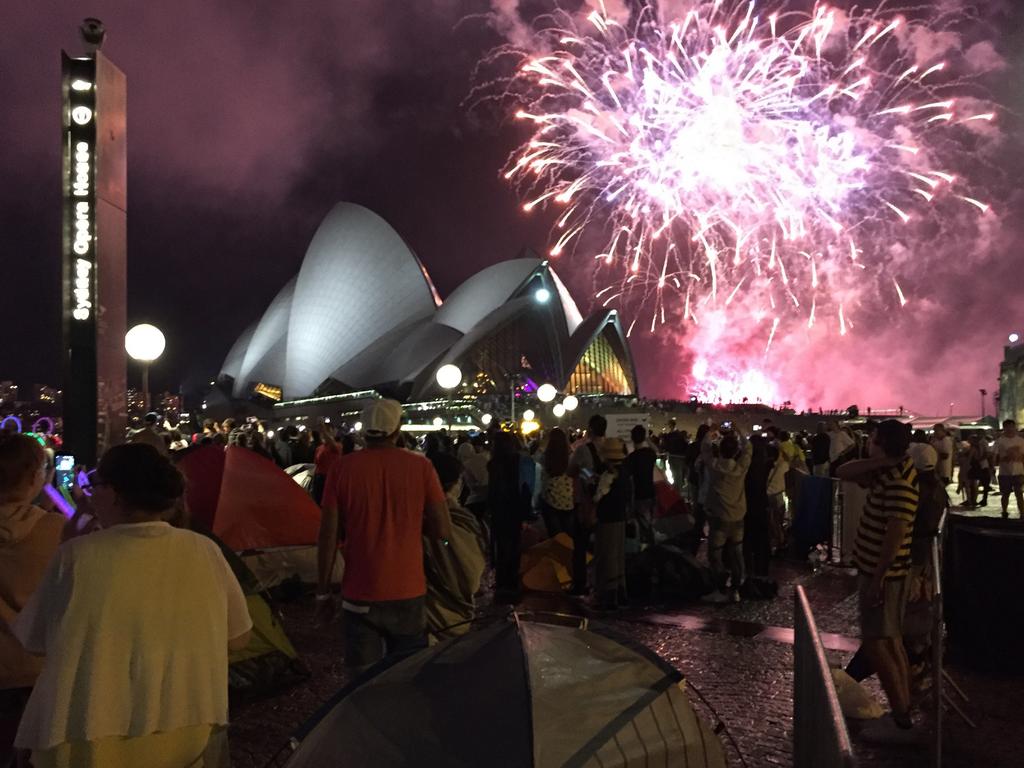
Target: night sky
[[249, 119]]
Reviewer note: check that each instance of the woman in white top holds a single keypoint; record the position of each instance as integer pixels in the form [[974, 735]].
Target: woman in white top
[[135, 622]]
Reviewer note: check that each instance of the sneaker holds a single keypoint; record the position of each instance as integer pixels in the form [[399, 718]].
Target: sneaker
[[717, 597]]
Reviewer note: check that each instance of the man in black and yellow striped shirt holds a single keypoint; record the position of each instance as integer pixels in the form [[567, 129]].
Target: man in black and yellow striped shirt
[[881, 553]]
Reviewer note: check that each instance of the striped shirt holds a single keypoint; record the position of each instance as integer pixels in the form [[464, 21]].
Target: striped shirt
[[893, 496]]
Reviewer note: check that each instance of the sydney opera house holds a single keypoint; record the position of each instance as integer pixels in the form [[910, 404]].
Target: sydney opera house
[[363, 316]]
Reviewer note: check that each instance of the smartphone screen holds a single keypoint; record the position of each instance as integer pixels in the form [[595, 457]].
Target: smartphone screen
[[64, 475]]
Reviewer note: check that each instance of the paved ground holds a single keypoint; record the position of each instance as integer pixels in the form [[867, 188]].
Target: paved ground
[[738, 657]]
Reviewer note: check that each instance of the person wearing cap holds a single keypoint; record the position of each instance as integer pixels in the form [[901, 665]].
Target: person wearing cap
[[881, 553], [381, 501], [149, 434], [726, 464], [931, 504], [942, 442]]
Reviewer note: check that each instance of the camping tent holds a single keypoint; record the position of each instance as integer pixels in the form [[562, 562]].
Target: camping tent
[[257, 505], [547, 566], [515, 693], [254, 507], [454, 569], [269, 662], [302, 474]]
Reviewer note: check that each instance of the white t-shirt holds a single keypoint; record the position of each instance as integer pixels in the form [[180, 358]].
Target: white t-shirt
[[1010, 454], [838, 444], [134, 622], [944, 445]]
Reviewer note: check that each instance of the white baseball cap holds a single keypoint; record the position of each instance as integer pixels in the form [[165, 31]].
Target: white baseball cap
[[925, 457], [381, 418]]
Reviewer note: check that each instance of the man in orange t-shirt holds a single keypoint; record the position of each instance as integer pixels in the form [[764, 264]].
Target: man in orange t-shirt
[[381, 501]]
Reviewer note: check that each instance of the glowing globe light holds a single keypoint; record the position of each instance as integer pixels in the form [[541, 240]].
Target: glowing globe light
[[358, 426], [571, 403], [542, 295], [1014, 338], [438, 421], [546, 393], [528, 415], [558, 410], [448, 376], [486, 419], [144, 343]]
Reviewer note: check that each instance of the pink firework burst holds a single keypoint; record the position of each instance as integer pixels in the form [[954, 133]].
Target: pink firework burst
[[744, 162]]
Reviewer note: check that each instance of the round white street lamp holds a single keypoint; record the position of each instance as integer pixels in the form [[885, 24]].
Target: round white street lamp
[[486, 419], [1014, 338], [528, 415], [448, 376], [546, 393], [571, 403], [438, 421], [558, 410], [145, 343], [358, 426]]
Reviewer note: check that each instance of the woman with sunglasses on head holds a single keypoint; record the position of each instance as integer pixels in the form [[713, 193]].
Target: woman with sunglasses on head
[[29, 536], [135, 621]]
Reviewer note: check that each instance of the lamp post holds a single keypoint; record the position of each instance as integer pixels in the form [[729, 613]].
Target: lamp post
[[448, 377], [983, 392], [144, 343], [546, 393]]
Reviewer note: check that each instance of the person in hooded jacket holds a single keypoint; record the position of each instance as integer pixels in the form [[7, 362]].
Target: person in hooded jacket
[[29, 536]]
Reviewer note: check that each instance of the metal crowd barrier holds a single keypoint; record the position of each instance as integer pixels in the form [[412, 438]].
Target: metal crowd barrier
[[820, 738]]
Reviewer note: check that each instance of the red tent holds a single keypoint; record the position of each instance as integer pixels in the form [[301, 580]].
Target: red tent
[[247, 500]]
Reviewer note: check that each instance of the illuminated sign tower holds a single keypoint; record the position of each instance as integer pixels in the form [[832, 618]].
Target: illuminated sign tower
[[93, 246]]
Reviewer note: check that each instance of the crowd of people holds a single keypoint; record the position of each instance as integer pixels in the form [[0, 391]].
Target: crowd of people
[[115, 625]]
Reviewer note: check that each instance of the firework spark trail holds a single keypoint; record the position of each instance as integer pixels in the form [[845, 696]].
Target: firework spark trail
[[739, 155]]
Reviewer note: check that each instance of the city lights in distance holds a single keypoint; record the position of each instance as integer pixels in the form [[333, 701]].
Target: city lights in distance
[[571, 403], [546, 393], [542, 295], [558, 410], [448, 376], [438, 421]]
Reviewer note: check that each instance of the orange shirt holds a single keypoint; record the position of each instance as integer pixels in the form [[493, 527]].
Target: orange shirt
[[380, 495]]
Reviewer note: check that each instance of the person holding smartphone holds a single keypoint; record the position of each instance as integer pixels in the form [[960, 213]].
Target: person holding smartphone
[[29, 536], [135, 621]]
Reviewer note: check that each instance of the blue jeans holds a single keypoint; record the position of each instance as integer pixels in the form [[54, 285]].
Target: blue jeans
[[376, 630]]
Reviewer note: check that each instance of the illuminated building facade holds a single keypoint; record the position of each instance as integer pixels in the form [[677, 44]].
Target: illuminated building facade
[[363, 315]]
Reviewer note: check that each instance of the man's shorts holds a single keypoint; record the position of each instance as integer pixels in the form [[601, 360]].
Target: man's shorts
[[385, 628], [886, 619], [1011, 484], [721, 533]]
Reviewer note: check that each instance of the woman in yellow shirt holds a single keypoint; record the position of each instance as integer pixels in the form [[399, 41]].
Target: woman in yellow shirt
[[135, 622]]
